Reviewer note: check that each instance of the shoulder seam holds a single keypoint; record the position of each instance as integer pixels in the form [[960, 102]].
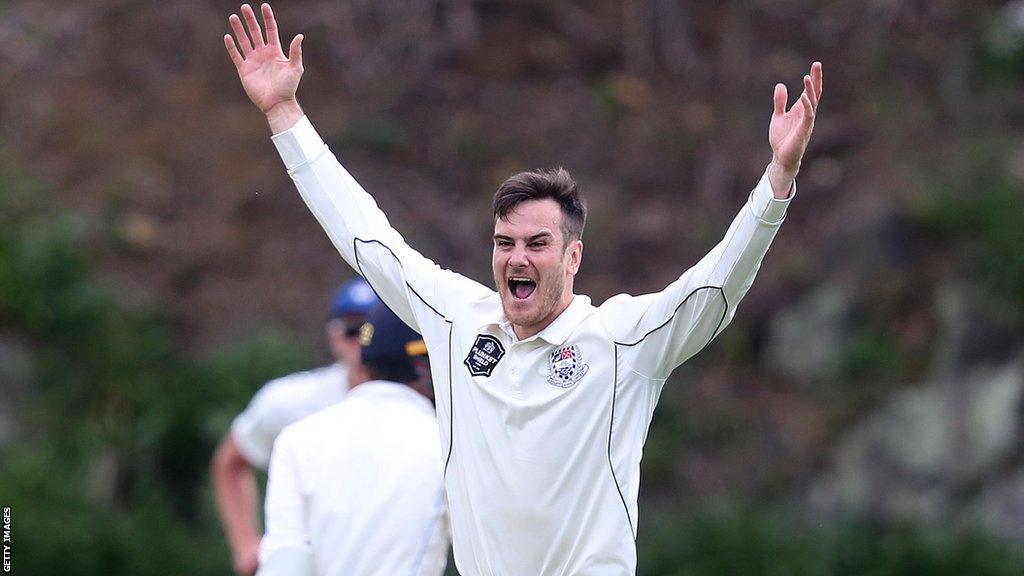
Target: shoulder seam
[[451, 399], [676, 311], [397, 259]]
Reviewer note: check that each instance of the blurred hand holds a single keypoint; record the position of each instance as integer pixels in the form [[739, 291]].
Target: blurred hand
[[246, 558], [789, 132], [269, 77]]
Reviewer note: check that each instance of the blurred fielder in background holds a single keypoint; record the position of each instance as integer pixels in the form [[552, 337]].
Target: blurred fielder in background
[[356, 489], [544, 400], [279, 403]]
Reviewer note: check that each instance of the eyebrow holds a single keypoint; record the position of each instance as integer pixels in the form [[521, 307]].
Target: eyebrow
[[533, 238]]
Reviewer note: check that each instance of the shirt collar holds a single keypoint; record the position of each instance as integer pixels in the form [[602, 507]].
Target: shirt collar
[[388, 389], [495, 316], [557, 331]]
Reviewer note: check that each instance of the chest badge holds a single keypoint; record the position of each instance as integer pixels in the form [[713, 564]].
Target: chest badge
[[484, 355], [566, 367]]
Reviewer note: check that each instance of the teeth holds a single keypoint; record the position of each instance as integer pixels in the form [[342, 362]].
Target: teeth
[[515, 283]]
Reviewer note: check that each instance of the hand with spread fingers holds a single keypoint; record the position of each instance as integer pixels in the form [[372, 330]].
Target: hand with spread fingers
[[789, 132], [269, 77]]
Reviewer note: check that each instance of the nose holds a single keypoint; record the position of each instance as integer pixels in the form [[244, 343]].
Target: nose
[[517, 259]]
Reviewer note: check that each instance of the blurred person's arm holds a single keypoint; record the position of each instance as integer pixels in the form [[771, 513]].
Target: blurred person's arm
[[234, 487], [287, 548], [245, 448], [420, 292]]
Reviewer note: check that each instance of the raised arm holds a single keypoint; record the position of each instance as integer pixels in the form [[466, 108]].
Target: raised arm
[[657, 332], [416, 289]]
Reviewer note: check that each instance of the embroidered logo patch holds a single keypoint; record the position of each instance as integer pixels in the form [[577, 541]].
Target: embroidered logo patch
[[484, 355], [566, 367]]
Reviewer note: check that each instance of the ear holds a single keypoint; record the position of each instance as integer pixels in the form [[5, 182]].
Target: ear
[[575, 254]]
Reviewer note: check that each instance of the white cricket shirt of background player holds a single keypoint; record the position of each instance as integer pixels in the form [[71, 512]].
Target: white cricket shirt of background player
[[542, 466], [281, 402], [356, 490]]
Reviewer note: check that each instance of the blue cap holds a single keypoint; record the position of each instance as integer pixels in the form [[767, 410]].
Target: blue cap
[[354, 297], [385, 339]]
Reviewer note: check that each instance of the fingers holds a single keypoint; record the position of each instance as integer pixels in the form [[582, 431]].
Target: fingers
[[253, 26], [816, 80], [807, 120], [236, 57], [249, 36], [295, 51], [812, 84], [243, 39], [781, 96], [268, 19], [809, 91], [812, 92]]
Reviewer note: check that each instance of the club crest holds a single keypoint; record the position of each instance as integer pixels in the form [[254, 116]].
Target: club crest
[[566, 367], [484, 355]]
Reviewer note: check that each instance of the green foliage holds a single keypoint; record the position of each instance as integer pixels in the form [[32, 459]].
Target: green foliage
[[870, 354], [382, 133], [57, 530], [985, 225], [1001, 54], [122, 424], [761, 543]]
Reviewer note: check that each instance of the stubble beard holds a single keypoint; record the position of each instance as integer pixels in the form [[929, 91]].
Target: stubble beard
[[545, 300]]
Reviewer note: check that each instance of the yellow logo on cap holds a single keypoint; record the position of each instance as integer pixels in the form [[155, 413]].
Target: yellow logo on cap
[[366, 334], [416, 348]]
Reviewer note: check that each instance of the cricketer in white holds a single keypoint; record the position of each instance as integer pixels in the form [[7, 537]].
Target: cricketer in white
[[281, 402], [543, 415], [542, 473], [356, 489]]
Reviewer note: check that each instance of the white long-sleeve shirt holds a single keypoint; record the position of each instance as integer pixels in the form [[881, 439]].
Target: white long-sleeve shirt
[[281, 402], [356, 490], [541, 437]]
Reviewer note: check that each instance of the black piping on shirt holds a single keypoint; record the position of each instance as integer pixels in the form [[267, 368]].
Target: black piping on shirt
[[676, 311], [451, 402], [615, 382]]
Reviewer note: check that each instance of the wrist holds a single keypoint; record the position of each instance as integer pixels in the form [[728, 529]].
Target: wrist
[[781, 178], [283, 115]]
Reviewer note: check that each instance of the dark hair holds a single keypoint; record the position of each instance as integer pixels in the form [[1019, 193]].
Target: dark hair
[[399, 370], [556, 184]]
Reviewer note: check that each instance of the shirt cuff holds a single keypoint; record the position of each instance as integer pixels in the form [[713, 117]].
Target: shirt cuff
[[299, 144], [256, 455], [766, 207], [285, 561]]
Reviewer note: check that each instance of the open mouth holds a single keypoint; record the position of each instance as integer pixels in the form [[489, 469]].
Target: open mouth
[[521, 288]]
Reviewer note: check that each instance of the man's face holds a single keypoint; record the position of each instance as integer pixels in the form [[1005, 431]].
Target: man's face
[[533, 268], [343, 338]]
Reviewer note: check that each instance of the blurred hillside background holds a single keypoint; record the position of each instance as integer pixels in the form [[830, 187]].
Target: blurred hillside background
[[863, 414]]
